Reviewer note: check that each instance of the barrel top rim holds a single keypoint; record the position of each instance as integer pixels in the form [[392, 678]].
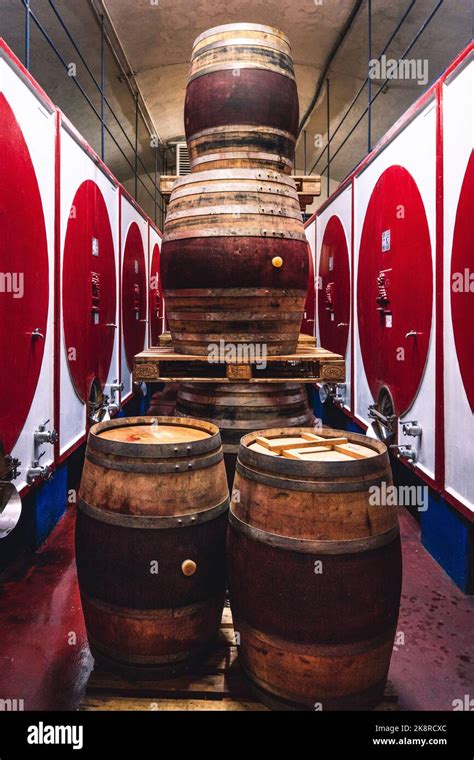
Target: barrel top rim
[[242, 27], [97, 443], [236, 174]]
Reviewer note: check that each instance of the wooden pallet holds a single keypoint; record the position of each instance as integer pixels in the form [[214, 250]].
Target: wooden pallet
[[218, 684], [308, 187], [309, 364]]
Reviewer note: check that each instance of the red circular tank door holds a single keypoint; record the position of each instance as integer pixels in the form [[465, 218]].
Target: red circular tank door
[[155, 296], [134, 294], [89, 289], [24, 279], [395, 288], [307, 324], [462, 281], [334, 298]]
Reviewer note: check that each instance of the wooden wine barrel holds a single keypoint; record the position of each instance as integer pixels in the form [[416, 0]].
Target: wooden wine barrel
[[240, 408], [241, 106], [163, 403], [314, 568], [234, 261], [150, 543]]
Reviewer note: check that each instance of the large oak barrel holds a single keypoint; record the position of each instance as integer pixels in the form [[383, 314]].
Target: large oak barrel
[[240, 408], [241, 104], [314, 568], [150, 542], [234, 261]]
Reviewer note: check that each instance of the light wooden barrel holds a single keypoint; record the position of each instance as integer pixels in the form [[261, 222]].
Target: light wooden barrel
[[314, 569], [234, 261], [241, 104], [240, 408], [150, 543]]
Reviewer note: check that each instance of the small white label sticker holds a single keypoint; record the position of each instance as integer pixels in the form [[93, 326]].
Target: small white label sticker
[[135, 264], [388, 320], [331, 263], [385, 241], [95, 247]]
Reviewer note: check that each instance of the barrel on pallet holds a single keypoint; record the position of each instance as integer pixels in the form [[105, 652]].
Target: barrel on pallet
[[314, 567], [241, 105], [240, 408], [163, 403], [150, 542], [234, 261]]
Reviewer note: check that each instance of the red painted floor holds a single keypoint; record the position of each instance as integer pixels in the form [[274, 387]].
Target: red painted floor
[[436, 664], [44, 658]]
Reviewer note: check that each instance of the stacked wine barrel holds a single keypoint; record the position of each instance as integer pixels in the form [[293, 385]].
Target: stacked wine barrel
[[150, 543], [314, 568], [240, 408], [234, 255]]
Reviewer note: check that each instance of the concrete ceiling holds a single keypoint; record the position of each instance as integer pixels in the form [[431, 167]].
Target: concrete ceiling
[[158, 40], [157, 37]]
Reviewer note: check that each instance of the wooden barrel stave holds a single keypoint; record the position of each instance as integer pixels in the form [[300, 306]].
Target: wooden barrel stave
[[293, 686], [243, 146], [140, 505], [180, 636], [325, 637]]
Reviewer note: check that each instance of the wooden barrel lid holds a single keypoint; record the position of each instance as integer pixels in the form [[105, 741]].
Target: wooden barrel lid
[[311, 447], [154, 433]]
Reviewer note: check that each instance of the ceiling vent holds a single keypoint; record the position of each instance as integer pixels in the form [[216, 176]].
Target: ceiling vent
[[183, 165]]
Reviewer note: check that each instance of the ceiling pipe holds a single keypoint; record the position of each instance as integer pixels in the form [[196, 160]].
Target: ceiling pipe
[[340, 39], [115, 45]]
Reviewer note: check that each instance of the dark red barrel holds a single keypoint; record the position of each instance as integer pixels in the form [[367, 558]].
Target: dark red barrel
[[241, 105]]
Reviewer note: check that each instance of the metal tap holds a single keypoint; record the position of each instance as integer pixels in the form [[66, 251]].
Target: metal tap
[[340, 394], [405, 452], [41, 435], [412, 429], [115, 406], [41, 471], [37, 470]]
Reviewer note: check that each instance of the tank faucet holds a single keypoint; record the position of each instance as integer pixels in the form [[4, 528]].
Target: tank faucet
[[404, 452], [412, 429]]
